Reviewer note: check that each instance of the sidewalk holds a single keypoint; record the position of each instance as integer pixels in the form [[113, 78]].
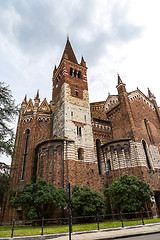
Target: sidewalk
[[114, 233]]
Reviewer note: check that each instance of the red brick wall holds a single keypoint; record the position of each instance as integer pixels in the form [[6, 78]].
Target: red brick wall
[[39, 131], [140, 111], [55, 170], [50, 164], [76, 84], [144, 174]]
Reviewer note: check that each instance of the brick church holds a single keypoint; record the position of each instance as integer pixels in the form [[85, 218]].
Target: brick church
[[71, 140]]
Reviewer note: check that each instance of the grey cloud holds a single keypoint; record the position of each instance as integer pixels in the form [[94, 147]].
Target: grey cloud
[[37, 28], [120, 32], [43, 26]]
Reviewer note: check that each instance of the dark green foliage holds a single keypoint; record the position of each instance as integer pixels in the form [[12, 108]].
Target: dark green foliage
[[107, 203], [8, 110], [4, 179], [86, 202], [129, 194], [39, 199]]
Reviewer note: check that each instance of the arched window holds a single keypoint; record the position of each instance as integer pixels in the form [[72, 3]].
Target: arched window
[[71, 71], [79, 131], [80, 154], [148, 129], [98, 145], [109, 164], [75, 73], [146, 154], [127, 154], [25, 153], [59, 77], [79, 74]]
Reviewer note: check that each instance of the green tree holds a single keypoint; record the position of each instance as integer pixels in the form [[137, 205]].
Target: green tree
[[129, 194], [8, 111], [39, 199], [4, 180], [86, 202]]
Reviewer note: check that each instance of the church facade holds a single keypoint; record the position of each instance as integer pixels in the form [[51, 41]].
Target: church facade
[[92, 144]]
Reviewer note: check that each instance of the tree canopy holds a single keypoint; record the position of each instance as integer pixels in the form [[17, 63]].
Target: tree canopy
[[86, 202], [39, 199], [4, 179], [8, 111], [129, 194]]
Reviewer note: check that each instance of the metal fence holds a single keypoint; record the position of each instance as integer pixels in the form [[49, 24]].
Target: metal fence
[[98, 219]]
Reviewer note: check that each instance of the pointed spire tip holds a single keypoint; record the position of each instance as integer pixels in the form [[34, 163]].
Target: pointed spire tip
[[150, 94], [37, 96], [25, 99], [119, 79], [83, 63], [69, 53]]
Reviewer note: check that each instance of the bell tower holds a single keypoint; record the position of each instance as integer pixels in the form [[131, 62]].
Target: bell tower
[[72, 118]]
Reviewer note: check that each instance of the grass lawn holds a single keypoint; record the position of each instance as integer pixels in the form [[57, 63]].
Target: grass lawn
[[5, 231]]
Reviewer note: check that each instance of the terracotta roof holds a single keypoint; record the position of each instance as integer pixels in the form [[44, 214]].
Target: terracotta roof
[[99, 114]]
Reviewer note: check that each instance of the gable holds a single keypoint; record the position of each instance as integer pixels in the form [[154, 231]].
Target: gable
[[29, 108], [138, 94], [111, 101], [44, 107]]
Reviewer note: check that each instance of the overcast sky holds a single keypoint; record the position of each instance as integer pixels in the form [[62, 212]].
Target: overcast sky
[[114, 36]]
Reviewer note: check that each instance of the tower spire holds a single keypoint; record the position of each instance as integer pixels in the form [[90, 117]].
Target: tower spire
[[37, 95], [68, 52], [83, 63], [119, 79], [25, 99], [150, 94], [24, 103], [36, 100], [55, 69]]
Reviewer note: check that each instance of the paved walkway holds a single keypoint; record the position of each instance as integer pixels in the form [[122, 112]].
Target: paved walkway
[[114, 233]]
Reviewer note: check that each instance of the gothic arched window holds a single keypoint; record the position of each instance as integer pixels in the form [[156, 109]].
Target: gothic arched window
[[109, 164], [98, 145], [148, 129], [25, 153], [79, 74], [75, 73], [79, 131], [71, 71]]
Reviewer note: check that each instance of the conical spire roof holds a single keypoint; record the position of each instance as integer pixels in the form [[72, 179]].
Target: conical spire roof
[[37, 96], [68, 52], [55, 69], [119, 80], [83, 63], [25, 99], [150, 94]]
